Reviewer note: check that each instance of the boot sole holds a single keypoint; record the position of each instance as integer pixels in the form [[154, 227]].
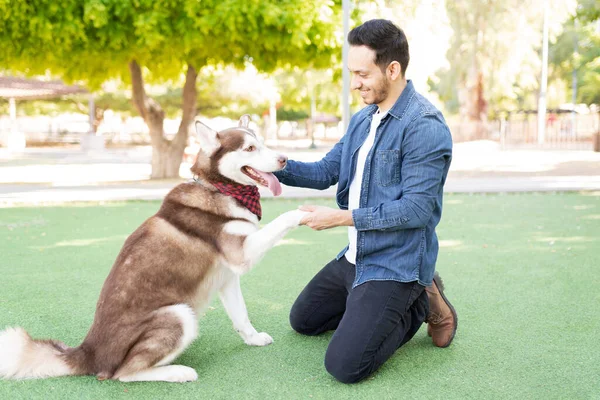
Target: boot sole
[[438, 281]]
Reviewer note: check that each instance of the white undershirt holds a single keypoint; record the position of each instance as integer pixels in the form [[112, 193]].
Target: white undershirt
[[355, 186]]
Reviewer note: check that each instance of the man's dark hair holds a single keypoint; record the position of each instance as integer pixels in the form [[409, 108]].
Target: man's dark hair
[[385, 38]]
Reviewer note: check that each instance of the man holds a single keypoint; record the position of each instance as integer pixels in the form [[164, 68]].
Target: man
[[390, 168]]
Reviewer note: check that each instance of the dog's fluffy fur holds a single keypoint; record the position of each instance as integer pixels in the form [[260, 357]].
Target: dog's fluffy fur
[[198, 243]]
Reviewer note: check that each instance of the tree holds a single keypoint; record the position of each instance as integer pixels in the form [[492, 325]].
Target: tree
[[577, 51], [141, 41], [494, 57], [588, 11], [488, 40], [296, 88]]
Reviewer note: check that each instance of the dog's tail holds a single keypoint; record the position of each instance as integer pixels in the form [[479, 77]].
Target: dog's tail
[[21, 357]]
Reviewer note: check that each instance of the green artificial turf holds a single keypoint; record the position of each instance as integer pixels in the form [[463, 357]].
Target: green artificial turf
[[521, 270]]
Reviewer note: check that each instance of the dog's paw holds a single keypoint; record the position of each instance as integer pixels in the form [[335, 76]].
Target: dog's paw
[[259, 339], [294, 217]]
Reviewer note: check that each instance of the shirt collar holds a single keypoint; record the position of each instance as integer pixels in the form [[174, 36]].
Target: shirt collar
[[401, 105], [399, 108]]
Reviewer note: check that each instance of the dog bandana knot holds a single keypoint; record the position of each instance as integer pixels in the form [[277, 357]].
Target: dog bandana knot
[[247, 195]]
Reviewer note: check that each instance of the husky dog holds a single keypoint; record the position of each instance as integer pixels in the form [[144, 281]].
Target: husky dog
[[204, 236]]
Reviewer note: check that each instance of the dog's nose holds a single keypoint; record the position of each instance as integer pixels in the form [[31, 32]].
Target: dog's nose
[[282, 160]]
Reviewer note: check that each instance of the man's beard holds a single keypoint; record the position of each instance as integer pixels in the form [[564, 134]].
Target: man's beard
[[381, 92]]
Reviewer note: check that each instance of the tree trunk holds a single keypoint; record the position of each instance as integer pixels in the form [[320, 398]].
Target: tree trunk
[[166, 154], [476, 106], [98, 111], [166, 161]]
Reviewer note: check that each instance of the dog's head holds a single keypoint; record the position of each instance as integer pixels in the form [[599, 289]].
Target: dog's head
[[237, 155]]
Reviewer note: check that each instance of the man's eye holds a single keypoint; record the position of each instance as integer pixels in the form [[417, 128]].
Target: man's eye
[[250, 148]]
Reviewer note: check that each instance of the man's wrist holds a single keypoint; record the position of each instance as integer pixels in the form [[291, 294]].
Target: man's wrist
[[346, 218]]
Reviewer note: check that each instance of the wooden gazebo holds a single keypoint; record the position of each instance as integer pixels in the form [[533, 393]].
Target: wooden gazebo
[[13, 89]]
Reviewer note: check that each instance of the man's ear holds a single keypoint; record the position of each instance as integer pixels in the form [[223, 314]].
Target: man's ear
[[394, 70], [244, 121], [207, 137]]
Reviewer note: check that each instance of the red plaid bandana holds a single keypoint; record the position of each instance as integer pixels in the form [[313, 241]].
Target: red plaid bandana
[[246, 195]]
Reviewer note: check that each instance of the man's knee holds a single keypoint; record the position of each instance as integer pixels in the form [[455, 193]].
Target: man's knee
[[299, 323], [344, 368]]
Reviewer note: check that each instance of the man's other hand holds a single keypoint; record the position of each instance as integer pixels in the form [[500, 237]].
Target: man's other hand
[[321, 217]]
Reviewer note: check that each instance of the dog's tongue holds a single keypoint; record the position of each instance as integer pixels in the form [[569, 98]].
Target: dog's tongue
[[272, 182]]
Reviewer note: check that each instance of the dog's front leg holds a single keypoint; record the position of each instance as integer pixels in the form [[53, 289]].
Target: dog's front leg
[[258, 243], [233, 301]]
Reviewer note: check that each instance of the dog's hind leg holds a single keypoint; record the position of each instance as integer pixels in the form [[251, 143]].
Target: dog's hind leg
[[233, 302], [165, 336]]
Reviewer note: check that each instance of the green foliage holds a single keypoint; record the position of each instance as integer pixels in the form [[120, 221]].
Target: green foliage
[[502, 41], [577, 49], [93, 40], [296, 87], [289, 114], [444, 85], [498, 39], [588, 10]]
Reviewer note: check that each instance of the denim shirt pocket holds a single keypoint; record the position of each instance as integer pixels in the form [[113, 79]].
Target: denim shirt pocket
[[387, 167]]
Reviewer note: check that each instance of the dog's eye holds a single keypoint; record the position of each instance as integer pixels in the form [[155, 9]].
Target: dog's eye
[[250, 148]]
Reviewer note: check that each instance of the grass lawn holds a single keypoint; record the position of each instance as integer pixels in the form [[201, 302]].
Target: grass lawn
[[522, 271]]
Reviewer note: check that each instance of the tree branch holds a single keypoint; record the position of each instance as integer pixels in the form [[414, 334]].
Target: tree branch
[[190, 99], [149, 109], [138, 92], [80, 107]]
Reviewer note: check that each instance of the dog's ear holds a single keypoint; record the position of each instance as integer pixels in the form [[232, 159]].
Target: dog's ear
[[207, 137], [244, 121]]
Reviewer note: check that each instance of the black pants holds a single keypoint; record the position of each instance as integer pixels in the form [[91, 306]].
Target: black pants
[[371, 321]]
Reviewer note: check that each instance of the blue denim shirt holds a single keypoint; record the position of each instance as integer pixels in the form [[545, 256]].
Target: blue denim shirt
[[402, 187]]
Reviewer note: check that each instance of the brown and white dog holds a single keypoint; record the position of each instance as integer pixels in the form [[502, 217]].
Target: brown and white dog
[[197, 244]]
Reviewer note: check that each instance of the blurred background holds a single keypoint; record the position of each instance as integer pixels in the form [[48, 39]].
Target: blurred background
[[99, 76]]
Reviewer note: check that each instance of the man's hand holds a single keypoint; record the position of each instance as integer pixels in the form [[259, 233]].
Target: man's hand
[[320, 217]]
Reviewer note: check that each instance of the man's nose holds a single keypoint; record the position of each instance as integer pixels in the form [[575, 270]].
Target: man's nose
[[355, 83], [282, 160]]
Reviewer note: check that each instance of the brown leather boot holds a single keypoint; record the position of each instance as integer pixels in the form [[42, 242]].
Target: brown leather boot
[[442, 320]]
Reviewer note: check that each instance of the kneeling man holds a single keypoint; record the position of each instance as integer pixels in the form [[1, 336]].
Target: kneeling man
[[390, 168]]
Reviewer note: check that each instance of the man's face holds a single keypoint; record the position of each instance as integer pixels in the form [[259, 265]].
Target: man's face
[[373, 84]]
